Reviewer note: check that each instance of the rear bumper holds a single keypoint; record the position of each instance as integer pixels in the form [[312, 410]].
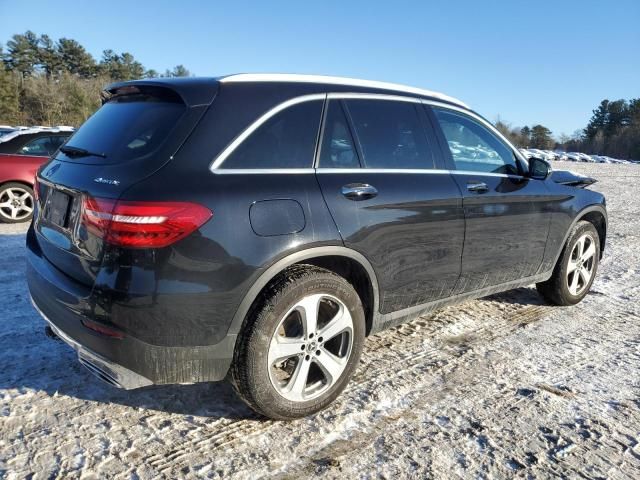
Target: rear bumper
[[127, 362], [103, 368]]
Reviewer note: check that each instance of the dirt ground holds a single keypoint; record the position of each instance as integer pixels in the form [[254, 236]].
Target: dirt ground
[[501, 387]]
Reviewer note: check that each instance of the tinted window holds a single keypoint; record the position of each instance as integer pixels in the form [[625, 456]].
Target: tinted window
[[338, 149], [473, 147], [39, 146], [286, 140], [56, 142], [131, 126], [390, 133]]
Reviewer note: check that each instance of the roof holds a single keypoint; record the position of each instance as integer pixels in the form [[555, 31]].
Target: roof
[[329, 80], [32, 130]]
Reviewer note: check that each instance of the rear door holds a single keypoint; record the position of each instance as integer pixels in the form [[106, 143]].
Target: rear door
[[389, 198], [507, 219]]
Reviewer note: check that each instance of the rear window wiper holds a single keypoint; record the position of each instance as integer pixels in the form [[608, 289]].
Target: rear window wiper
[[80, 152]]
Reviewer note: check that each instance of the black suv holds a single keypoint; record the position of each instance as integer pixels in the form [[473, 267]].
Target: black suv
[[262, 226]]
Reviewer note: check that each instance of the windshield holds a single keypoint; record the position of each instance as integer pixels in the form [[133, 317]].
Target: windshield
[[128, 127]]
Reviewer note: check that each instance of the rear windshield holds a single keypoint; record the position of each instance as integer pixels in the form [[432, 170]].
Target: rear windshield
[[128, 127]]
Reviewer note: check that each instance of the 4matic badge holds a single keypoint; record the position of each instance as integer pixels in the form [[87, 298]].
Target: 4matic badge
[[107, 181]]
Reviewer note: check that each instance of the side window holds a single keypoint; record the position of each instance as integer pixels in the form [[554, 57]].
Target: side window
[[473, 147], [391, 134], [38, 146], [286, 140], [338, 148], [56, 143]]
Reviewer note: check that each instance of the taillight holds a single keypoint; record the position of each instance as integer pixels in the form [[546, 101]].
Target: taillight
[[36, 189], [142, 224]]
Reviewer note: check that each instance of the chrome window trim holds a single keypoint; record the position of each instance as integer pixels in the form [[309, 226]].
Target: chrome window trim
[[215, 166], [382, 170], [485, 174], [293, 171], [229, 149], [325, 171]]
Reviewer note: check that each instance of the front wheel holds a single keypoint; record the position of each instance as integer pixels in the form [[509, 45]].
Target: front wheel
[[576, 269], [16, 203], [300, 344]]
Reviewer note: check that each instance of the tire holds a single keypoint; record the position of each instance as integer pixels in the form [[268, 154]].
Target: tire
[[275, 349], [16, 203], [569, 284]]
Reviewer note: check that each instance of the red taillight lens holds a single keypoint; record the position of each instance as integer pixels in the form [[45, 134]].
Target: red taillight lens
[[142, 224], [102, 329], [36, 189]]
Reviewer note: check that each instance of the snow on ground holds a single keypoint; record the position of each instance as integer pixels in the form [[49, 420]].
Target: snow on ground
[[500, 387]]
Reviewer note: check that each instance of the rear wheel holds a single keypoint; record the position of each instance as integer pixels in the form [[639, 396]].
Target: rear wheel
[[300, 345], [16, 203], [575, 271]]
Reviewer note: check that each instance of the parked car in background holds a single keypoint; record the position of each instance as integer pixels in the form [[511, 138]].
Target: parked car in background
[[4, 129], [561, 155], [259, 227], [21, 153]]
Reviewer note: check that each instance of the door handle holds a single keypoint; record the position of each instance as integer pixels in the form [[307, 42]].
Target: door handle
[[477, 187], [359, 191]]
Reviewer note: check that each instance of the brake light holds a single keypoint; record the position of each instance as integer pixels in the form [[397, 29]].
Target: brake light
[[36, 189], [142, 224]]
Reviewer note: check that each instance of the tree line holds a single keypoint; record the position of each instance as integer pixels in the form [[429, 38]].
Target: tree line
[[47, 82], [613, 130]]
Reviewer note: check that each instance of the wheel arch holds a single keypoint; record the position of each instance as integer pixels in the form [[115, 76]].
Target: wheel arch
[[594, 214], [22, 182], [598, 218], [343, 261]]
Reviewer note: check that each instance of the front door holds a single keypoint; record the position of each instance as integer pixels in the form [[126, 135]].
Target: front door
[[379, 177], [507, 219]]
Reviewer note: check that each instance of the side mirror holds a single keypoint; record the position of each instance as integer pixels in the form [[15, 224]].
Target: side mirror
[[539, 169]]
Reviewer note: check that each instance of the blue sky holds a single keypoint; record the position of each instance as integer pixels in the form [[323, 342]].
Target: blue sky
[[548, 62]]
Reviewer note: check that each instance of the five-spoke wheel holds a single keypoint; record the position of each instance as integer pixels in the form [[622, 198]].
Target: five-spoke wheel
[[16, 203], [310, 348], [581, 264], [576, 268], [300, 344]]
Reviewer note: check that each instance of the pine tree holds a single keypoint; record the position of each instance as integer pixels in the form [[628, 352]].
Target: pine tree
[[22, 53], [48, 56], [178, 71], [75, 59], [541, 137]]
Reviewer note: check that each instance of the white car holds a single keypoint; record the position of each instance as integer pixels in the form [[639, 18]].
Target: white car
[[586, 158]]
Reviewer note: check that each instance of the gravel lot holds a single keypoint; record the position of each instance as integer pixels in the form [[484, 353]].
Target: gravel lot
[[501, 387]]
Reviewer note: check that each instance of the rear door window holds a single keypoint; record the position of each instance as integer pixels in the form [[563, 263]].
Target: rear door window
[[130, 126], [286, 140], [391, 134]]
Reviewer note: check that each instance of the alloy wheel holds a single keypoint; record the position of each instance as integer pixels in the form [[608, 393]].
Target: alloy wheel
[[310, 348], [581, 264], [16, 203]]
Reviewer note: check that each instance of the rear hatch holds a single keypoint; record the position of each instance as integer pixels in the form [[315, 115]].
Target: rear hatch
[[138, 129]]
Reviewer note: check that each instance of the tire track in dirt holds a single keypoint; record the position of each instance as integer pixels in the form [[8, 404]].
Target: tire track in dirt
[[404, 344]]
